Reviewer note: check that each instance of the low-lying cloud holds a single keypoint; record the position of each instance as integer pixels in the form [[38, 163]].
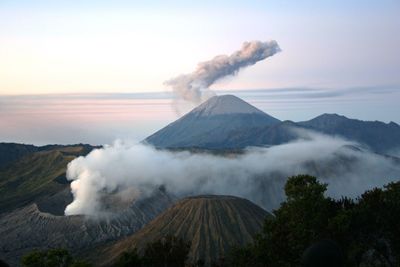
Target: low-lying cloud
[[193, 87], [128, 171]]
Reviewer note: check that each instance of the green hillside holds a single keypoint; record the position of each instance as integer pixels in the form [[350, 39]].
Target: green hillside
[[10, 152], [36, 175]]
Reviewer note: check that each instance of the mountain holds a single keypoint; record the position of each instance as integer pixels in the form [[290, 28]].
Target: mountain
[[212, 224], [227, 122], [10, 152], [378, 136], [269, 135], [34, 173], [209, 125]]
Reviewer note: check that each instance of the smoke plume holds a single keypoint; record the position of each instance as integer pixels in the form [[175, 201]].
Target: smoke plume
[[194, 86], [130, 171]]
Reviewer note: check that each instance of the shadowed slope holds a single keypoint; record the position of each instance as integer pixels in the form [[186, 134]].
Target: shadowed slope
[[37, 175], [379, 136], [212, 224]]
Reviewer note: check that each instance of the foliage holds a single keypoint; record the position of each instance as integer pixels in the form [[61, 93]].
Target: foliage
[[51, 258], [3, 264], [129, 258], [365, 229], [169, 251]]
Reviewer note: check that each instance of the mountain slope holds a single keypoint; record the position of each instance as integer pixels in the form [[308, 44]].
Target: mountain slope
[[36, 175], [10, 152], [208, 125], [270, 135], [212, 224], [378, 136]]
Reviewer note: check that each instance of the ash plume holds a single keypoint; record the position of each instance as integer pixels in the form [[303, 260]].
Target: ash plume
[[194, 86], [129, 171]]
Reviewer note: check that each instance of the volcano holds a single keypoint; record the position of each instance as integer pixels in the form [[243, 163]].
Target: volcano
[[211, 124], [211, 223]]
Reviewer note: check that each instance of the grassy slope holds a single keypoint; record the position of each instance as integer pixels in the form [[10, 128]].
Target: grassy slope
[[35, 175], [10, 152]]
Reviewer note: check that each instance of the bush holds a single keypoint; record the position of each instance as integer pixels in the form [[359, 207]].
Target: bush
[[51, 258], [3, 264], [365, 229], [169, 251], [129, 259]]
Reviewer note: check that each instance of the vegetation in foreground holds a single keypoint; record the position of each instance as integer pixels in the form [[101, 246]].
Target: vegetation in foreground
[[366, 229], [167, 252], [365, 232], [52, 258]]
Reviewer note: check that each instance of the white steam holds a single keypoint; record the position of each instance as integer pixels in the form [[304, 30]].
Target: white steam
[[129, 170], [194, 86]]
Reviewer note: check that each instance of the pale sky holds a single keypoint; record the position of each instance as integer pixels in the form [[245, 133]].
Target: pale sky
[[87, 71], [128, 46]]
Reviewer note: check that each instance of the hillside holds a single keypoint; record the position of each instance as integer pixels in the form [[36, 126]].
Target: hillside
[[10, 152], [212, 224], [38, 174], [378, 136]]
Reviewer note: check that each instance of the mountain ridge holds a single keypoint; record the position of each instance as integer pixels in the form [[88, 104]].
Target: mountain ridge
[[212, 127], [380, 137], [35, 174]]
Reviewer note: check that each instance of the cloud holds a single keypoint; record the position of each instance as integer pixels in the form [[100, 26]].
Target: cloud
[[258, 174], [194, 86]]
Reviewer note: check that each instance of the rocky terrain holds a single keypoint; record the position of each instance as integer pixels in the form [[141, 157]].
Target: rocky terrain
[[34, 193], [212, 224], [29, 228]]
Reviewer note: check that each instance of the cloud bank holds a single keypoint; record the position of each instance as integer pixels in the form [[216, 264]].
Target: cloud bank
[[128, 171], [194, 86]]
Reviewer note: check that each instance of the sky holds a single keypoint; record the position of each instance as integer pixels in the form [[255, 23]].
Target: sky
[[134, 46], [56, 53]]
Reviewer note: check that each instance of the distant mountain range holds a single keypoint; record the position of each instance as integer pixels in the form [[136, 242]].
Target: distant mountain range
[[378, 136], [227, 122], [11, 152]]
